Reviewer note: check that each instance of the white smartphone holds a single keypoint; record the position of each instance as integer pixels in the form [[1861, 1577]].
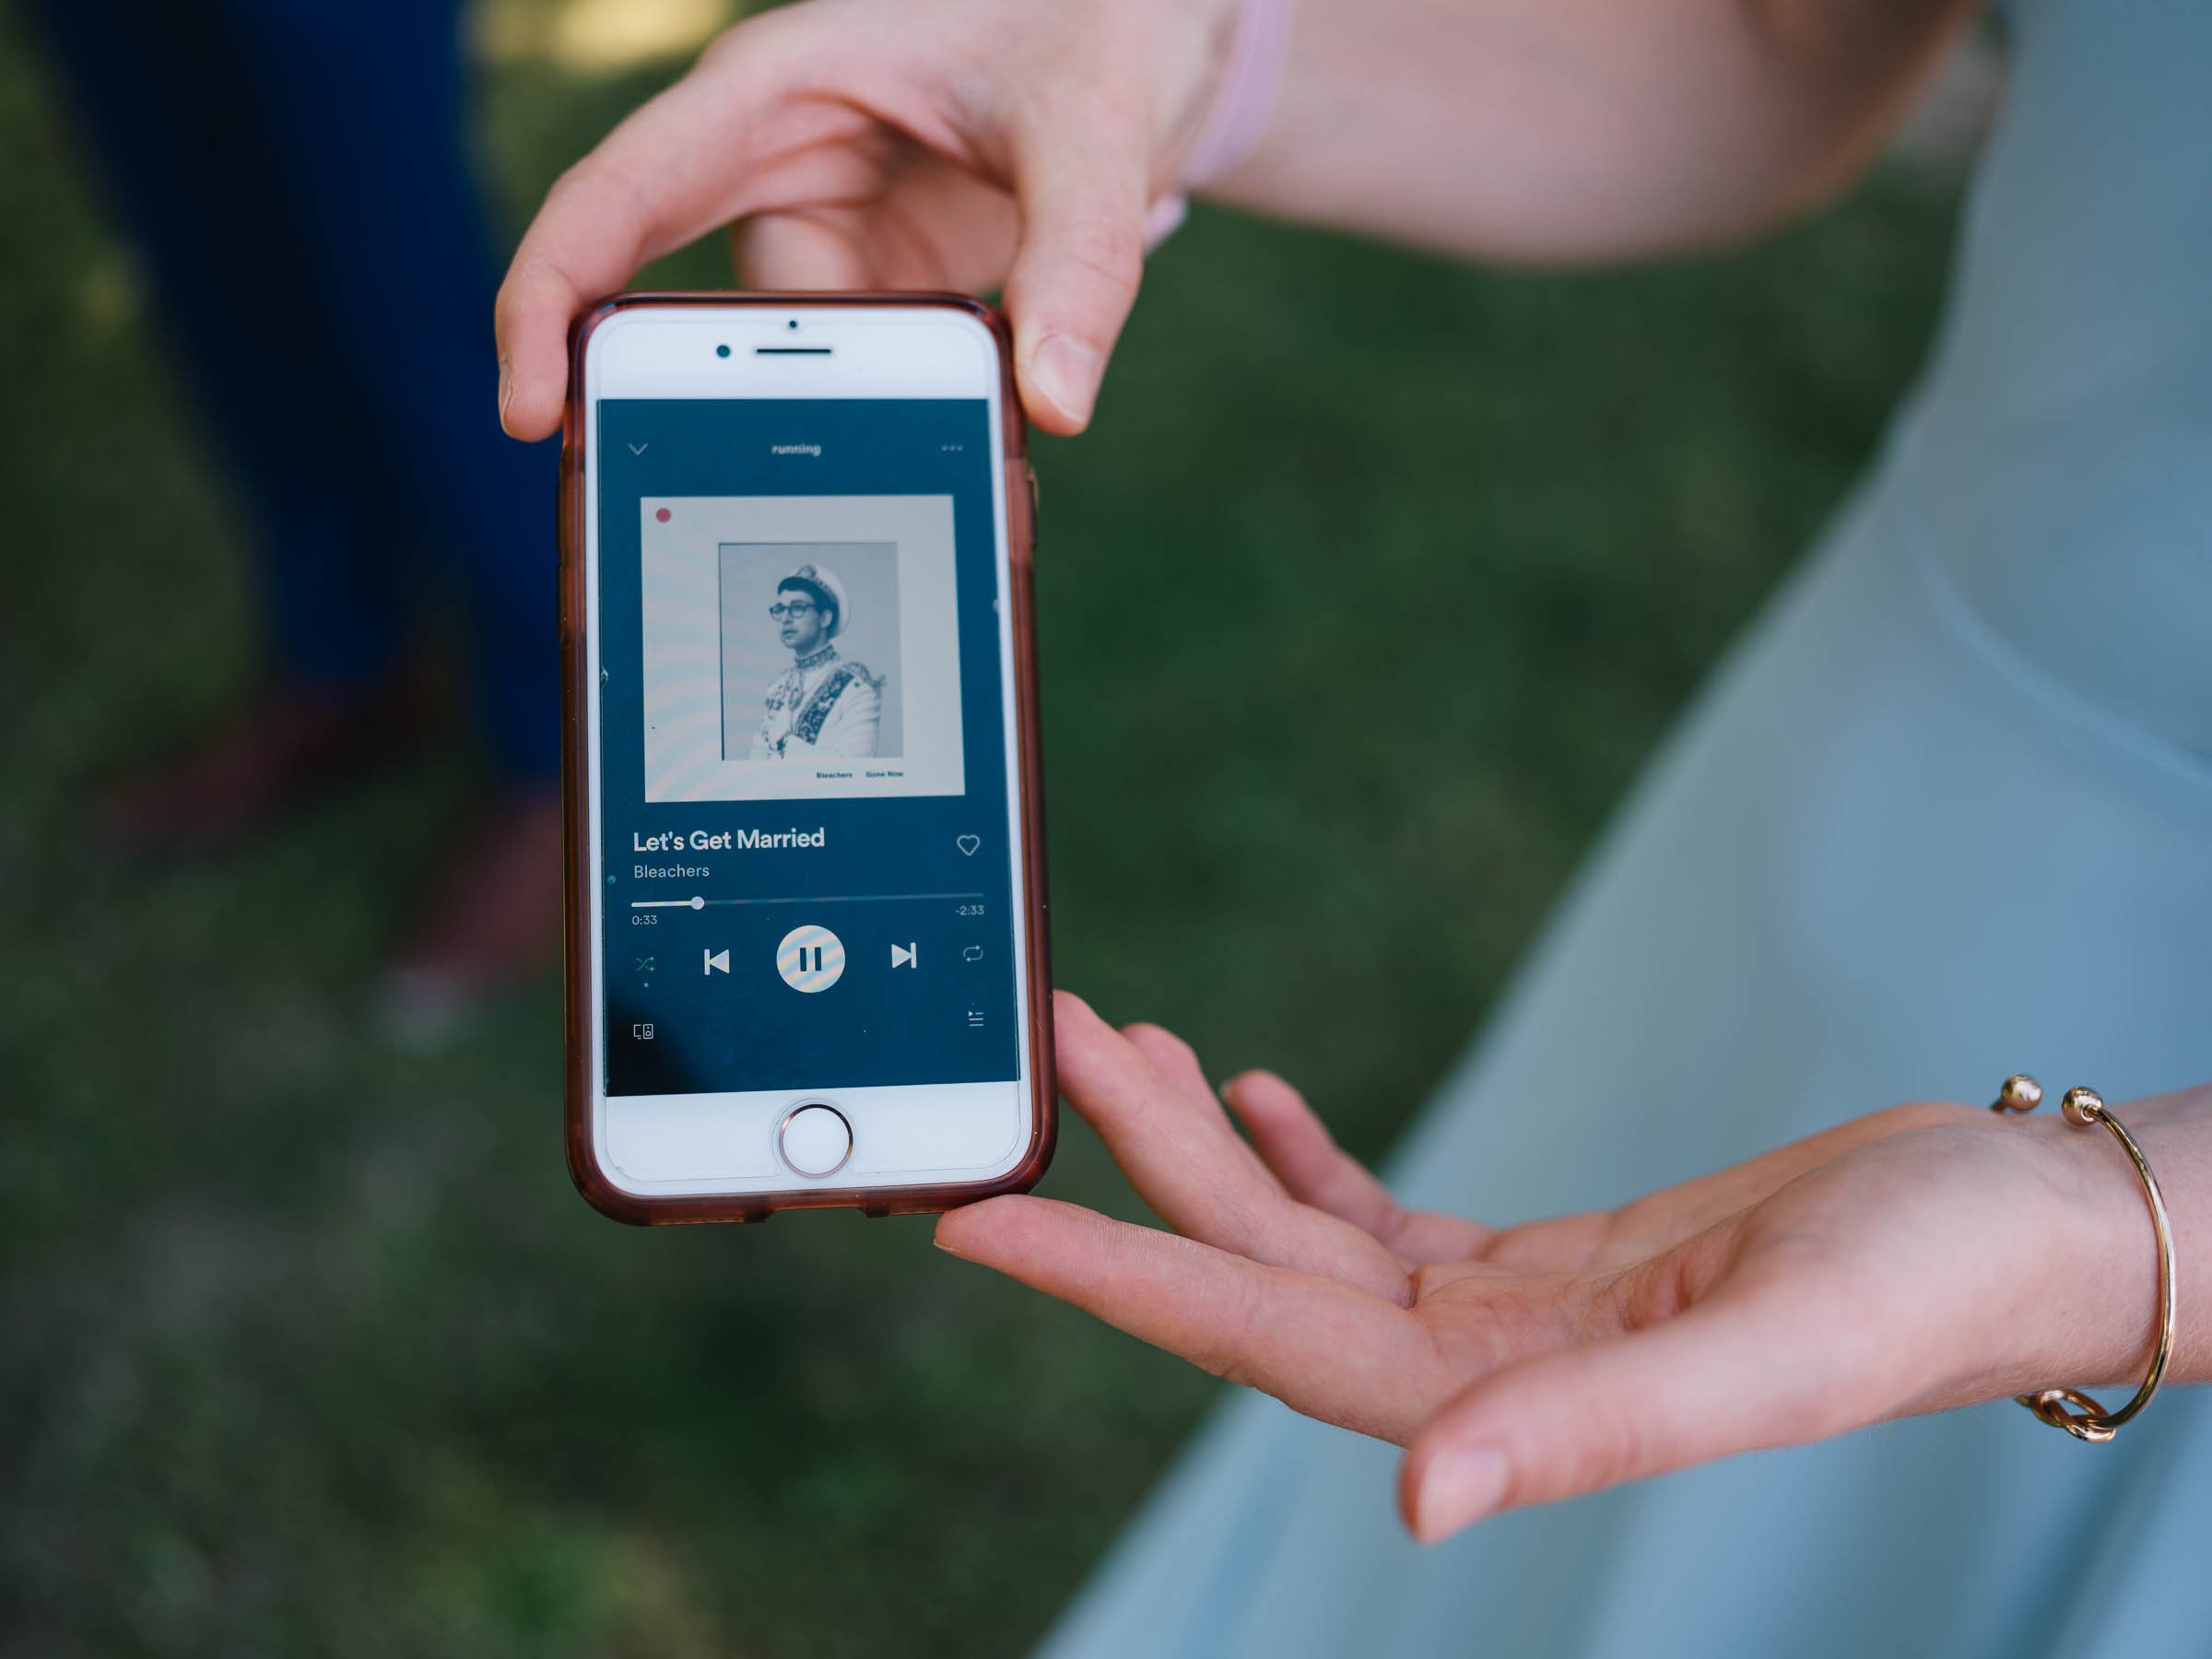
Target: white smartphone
[[806, 943]]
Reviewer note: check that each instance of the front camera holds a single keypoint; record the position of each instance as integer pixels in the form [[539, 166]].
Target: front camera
[[792, 324], [722, 351]]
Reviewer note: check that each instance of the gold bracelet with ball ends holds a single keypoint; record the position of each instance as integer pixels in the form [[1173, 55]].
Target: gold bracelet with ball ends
[[2069, 1408]]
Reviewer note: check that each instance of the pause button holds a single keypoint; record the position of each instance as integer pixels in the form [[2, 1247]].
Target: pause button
[[810, 959]]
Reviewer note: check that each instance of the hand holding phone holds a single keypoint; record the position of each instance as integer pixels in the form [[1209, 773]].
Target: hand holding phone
[[885, 144], [806, 942]]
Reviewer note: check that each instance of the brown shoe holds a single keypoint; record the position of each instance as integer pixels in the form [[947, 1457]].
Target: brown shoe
[[288, 744], [493, 923]]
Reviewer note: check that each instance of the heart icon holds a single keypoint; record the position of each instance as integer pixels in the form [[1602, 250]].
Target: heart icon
[[968, 844]]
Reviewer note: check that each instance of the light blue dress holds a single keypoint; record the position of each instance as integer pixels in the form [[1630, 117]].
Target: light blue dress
[[1945, 814]]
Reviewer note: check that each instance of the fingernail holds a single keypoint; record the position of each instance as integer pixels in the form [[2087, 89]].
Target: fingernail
[[1163, 219], [1066, 374], [506, 391], [1459, 1488]]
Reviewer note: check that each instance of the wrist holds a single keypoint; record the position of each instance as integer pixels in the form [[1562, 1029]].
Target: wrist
[[1192, 46], [1250, 58]]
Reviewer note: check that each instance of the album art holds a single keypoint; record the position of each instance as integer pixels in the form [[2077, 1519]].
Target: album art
[[800, 648]]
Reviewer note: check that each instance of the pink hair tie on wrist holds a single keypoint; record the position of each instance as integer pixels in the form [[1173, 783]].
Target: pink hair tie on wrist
[[1243, 105]]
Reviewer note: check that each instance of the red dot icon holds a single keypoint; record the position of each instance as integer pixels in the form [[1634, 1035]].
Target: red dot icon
[[661, 513]]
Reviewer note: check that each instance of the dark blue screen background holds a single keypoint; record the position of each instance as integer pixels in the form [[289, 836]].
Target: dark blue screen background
[[946, 1019]]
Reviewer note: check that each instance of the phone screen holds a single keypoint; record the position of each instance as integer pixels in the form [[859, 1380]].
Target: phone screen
[[802, 758]]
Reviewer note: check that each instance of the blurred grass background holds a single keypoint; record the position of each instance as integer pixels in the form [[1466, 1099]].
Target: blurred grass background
[[1374, 584]]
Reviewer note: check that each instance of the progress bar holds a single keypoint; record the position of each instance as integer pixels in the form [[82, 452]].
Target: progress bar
[[698, 903]]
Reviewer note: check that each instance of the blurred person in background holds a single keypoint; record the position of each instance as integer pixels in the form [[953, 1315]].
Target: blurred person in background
[[1943, 813], [295, 176]]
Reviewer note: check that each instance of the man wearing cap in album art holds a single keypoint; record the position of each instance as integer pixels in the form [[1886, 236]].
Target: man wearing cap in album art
[[821, 704]]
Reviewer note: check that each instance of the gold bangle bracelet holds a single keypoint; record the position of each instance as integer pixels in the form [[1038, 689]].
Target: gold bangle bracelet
[[2087, 1420]]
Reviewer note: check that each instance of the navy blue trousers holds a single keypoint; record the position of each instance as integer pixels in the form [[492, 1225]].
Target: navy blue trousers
[[296, 176]]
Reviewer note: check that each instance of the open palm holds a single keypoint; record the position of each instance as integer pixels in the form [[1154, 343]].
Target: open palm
[[1889, 1265]]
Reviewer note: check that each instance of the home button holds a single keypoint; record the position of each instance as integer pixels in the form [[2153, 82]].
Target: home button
[[814, 1140]]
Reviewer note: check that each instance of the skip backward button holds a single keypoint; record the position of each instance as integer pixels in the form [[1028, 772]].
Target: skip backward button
[[714, 962]]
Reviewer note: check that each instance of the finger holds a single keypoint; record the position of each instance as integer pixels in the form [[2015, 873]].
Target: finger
[[1184, 1160], [802, 251], [1296, 1144], [1080, 179], [930, 225], [1727, 1376], [1176, 1066], [1176, 1061], [1316, 1344]]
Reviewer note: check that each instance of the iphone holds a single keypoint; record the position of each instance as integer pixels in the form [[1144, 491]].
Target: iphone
[[806, 942]]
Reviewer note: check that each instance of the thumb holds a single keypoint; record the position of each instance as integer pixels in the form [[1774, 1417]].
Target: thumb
[[1082, 190]]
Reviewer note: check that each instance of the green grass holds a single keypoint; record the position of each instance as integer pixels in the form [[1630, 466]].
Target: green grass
[[1376, 582]]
